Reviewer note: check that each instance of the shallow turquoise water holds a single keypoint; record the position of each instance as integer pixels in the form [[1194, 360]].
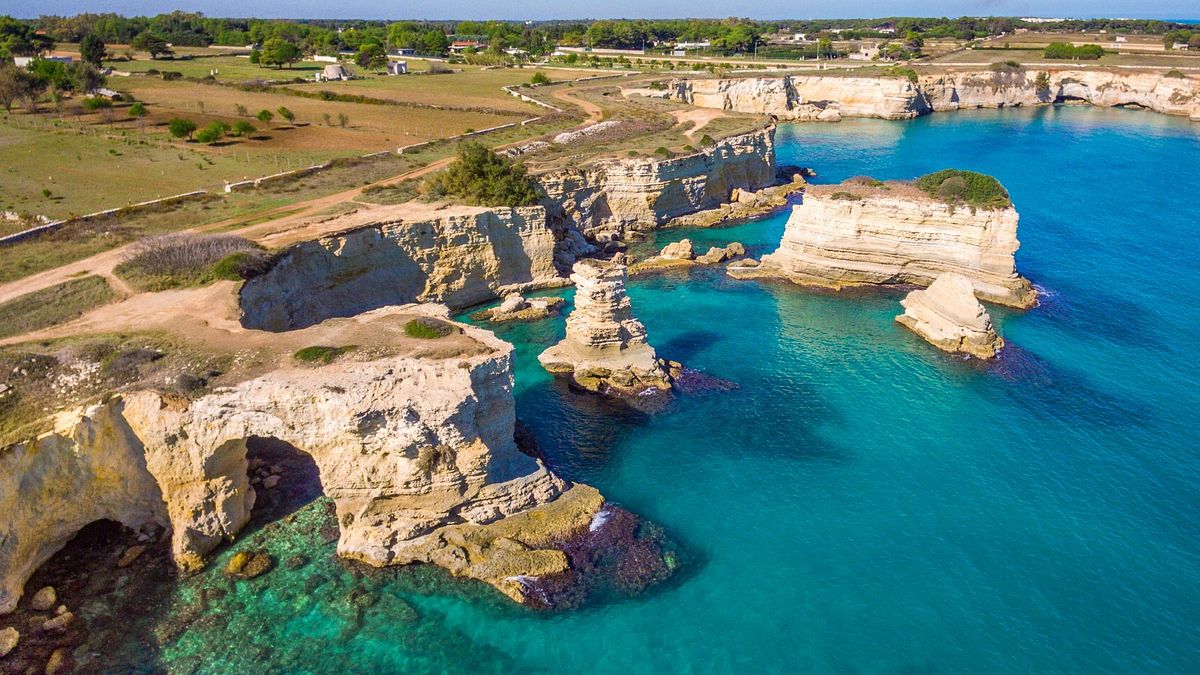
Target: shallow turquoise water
[[863, 503]]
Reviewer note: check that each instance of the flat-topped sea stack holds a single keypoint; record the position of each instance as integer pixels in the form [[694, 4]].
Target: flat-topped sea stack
[[867, 232], [949, 317], [605, 350]]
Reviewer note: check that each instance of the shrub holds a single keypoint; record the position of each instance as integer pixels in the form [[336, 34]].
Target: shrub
[[137, 110], [707, 141], [322, 354], [181, 260], [437, 68], [845, 196], [286, 114], [96, 103], [1176, 73], [427, 328], [1063, 50], [480, 176], [1041, 83], [867, 181], [539, 78], [965, 187], [243, 128], [171, 75], [242, 265], [663, 152], [181, 128], [212, 133]]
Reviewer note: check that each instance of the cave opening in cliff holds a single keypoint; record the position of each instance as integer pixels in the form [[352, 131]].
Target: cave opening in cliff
[[284, 478]]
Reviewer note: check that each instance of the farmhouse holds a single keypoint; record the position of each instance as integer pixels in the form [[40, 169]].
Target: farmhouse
[[397, 67]]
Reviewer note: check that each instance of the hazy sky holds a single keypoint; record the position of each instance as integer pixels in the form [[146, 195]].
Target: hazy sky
[[559, 9]]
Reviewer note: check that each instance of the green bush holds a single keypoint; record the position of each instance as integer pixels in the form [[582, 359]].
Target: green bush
[[181, 128], [480, 176], [845, 196], [539, 78], [1064, 50], [322, 354], [243, 128], [427, 328], [707, 141], [965, 187], [1176, 74], [242, 265], [663, 152]]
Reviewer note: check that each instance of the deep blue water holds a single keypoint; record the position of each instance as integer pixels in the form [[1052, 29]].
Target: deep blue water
[[864, 503]]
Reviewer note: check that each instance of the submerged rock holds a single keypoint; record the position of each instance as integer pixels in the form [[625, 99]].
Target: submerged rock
[[249, 564], [949, 317], [605, 350], [517, 308]]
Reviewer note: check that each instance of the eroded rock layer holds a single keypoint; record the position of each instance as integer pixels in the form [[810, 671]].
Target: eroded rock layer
[[949, 317], [616, 199], [416, 451], [465, 257], [831, 97], [833, 241], [605, 349]]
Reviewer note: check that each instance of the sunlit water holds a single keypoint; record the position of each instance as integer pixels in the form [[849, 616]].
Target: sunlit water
[[863, 503]]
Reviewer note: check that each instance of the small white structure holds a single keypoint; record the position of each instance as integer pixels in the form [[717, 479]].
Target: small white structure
[[334, 72], [867, 51], [322, 58], [397, 67], [1122, 38]]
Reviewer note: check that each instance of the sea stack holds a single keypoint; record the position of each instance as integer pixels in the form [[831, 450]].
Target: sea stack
[[605, 350], [949, 317], [866, 232]]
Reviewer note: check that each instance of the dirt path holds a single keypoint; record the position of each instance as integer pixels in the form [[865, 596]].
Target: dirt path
[[593, 111], [698, 116]]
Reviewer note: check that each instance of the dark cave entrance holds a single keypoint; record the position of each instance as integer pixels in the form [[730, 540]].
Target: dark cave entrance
[[285, 479]]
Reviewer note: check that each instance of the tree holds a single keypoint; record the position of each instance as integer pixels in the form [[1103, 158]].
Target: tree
[[91, 50], [181, 128], [372, 55], [279, 52], [480, 176], [265, 116], [149, 42], [286, 114], [243, 128], [212, 133], [434, 43], [13, 83]]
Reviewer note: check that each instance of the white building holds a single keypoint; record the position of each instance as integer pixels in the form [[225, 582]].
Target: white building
[[334, 71], [397, 67]]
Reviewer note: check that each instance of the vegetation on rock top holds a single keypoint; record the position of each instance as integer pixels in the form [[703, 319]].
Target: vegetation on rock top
[[427, 328], [183, 260], [965, 187], [322, 354]]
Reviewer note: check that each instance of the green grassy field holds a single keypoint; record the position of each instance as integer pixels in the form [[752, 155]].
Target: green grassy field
[[229, 68], [53, 305]]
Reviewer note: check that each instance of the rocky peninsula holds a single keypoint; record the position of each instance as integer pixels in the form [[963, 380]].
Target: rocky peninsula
[[948, 316], [866, 232], [605, 350]]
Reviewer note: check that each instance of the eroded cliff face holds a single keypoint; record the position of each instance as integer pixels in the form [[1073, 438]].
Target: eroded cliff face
[[467, 256], [836, 242], [616, 199], [417, 453], [829, 98]]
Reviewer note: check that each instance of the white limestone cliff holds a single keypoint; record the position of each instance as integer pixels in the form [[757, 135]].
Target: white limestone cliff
[[465, 256], [619, 199], [832, 97], [882, 238], [949, 317], [415, 448], [605, 349]]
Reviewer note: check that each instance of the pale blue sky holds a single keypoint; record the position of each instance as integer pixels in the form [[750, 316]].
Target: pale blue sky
[[558, 9]]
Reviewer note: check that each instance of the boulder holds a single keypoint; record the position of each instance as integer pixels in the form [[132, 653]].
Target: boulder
[[59, 623], [44, 599], [9, 637], [680, 250], [949, 317], [513, 302]]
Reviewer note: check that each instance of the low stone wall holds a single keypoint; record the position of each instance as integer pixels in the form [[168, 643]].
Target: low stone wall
[[17, 237]]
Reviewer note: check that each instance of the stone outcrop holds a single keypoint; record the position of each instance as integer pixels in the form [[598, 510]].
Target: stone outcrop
[[832, 97], [605, 350], [883, 238], [745, 204], [517, 308], [617, 200], [462, 258], [415, 448], [949, 317], [682, 254]]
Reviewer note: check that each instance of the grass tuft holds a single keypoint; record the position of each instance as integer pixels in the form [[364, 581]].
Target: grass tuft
[[322, 354], [427, 328]]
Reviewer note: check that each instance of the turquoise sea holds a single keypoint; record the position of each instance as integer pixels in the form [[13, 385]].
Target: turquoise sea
[[862, 503]]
